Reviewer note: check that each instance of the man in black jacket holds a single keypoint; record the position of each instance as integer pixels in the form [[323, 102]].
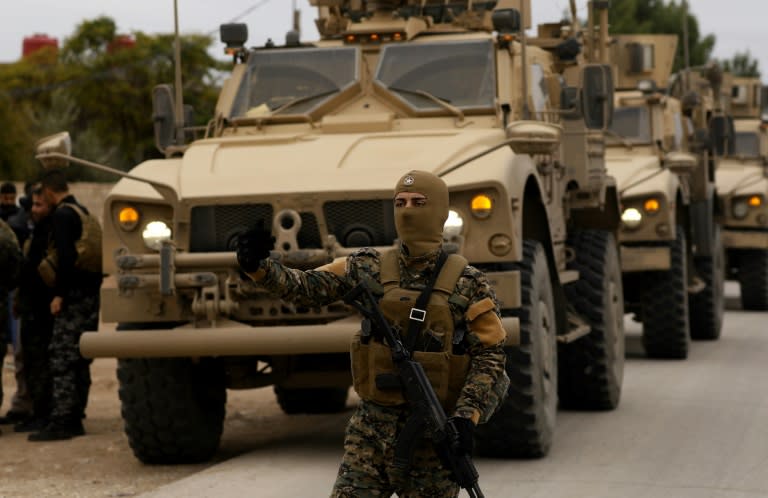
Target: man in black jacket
[[75, 305]]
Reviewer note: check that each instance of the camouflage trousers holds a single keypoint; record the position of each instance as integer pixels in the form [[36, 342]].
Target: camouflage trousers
[[36, 331], [367, 468], [70, 372]]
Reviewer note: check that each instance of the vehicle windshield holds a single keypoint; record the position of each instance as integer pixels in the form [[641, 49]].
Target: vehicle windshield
[[462, 74], [747, 144], [296, 80], [630, 125]]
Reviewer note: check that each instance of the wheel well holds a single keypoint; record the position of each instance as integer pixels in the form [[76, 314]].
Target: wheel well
[[536, 227]]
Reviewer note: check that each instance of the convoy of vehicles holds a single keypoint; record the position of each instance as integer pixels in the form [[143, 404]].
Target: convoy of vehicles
[[575, 213], [671, 250]]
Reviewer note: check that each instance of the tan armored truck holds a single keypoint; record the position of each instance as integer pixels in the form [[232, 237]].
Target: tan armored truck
[[670, 247], [742, 186], [308, 139]]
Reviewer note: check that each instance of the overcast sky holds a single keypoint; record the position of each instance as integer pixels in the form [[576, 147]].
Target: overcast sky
[[737, 24]]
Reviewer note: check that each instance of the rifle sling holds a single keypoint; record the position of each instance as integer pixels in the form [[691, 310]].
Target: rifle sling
[[418, 312]]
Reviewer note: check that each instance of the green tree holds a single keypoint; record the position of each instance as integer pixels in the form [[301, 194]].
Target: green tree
[[660, 16], [742, 64], [100, 92]]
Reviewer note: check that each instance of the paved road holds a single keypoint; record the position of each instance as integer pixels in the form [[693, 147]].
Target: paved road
[[684, 429]]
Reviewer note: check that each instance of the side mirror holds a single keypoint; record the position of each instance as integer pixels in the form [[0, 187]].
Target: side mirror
[[533, 137], [60, 143], [680, 163], [597, 96], [163, 116]]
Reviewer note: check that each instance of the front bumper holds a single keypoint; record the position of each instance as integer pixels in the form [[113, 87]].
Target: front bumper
[[229, 338], [640, 259], [744, 239]]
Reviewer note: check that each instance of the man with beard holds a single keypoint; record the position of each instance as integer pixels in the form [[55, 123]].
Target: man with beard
[[33, 307]]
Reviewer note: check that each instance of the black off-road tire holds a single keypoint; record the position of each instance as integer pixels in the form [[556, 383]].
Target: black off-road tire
[[753, 279], [592, 367], [173, 408], [665, 306], [315, 400], [524, 425], [706, 308]]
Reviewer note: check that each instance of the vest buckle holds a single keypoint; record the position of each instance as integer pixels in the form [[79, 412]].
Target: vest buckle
[[418, 315]]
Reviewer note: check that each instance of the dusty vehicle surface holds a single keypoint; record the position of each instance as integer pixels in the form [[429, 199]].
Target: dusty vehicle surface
[[308, 139], [742, 185], [671, 253]]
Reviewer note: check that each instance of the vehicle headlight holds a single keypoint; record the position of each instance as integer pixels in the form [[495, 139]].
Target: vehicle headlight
[[740, 208], [155, 233], [128, 218], [454, 225], [632, 218], [481, 206]]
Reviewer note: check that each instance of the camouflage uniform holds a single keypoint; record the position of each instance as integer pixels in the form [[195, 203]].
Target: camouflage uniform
[[366, 468], [10, 266]]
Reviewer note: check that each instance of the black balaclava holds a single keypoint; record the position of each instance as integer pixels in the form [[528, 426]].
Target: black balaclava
[[421, 228]]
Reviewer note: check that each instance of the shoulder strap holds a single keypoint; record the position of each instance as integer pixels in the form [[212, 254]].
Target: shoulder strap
[[389, 273], [449, 275], [419, 311]]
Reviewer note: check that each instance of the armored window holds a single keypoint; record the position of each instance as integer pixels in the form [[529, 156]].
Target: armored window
[[633, 124], [296, 80], [678, 124], [747, 144], [739, 94], [462, 74], [641, 58]]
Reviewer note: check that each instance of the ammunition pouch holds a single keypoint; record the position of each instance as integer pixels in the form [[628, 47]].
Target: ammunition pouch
[[375, 378]]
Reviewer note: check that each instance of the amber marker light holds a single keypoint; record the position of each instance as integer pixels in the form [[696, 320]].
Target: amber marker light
[[481, 206], [652, 206], [374, 37], [397, 36], [755, 201], [350, 38], [128, 217]]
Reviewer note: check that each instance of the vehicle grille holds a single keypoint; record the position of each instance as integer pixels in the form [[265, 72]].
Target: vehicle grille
[[354, 223], [361, 223]]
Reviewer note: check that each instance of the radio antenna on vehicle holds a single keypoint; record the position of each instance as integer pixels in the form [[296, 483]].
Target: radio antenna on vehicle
[[179, 98]]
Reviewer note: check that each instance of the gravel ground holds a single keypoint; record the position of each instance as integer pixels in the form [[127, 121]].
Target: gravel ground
[[101, 463]]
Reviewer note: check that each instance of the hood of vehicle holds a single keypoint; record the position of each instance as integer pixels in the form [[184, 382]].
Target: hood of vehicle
[[637, 174], [737, 178]]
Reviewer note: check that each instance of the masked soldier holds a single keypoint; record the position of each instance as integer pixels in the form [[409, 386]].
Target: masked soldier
[[459, 337]]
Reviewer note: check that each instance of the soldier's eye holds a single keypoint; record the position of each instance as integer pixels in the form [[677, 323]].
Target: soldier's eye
[[420, 202], [399, 203]]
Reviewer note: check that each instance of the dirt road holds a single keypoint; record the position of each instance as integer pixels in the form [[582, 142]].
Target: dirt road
[[101, 463]]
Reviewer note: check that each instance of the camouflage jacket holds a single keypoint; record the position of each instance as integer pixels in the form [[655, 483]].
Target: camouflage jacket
[[473, 303]]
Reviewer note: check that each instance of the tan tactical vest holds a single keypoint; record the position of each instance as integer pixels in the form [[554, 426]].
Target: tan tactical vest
[[88, 248], [446, 371]]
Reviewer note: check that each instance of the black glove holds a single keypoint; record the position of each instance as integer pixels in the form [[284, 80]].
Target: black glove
[[465, 428], [253, 246]]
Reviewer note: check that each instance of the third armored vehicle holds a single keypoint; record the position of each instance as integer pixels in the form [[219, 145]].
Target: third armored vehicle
[[742, 187]]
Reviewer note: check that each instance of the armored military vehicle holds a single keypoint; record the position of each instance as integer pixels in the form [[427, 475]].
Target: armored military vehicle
[[308, 139], [742, 185], [671, 254]]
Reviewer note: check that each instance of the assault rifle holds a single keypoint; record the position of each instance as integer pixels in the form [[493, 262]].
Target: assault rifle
[[428, 414]]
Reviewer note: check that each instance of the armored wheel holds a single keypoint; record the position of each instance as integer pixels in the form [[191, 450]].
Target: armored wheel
[[592, 368], [708, 305], [524, 424], [316, 400], [753, 279], [665, 306], [173, 408]]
